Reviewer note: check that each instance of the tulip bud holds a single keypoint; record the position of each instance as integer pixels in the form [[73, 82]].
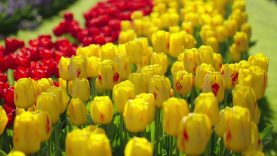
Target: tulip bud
[[149, 99], [135, 115], [77, 112], [246, 28], [108, 51], [125, 25], [174, 110], [16, 153], [235, 53], [137, 15], [254, 153], [160, 41], [60, 96], [126, 36], [47, 102], [241, 41], [200, 74], [194, 133], [206, 103], [92, 66], [26, 127], [43, 84], [99, 144], [230, 75], [187, 27], [3, 120], [101, 110], [161, 59], [76, 142], [206, 55], [139, 82], [63, 68], [213, 43], [138, 146], [213, 82], [24, 93], [177, 66], [231, 27], [43, 119], [134, 51], [77, 67], [160, 87], [89, 51], [183, 82], [122, 92], [244, 96], [108, 74], [174, 29], [259, 60], [80, 89], [191, 59]]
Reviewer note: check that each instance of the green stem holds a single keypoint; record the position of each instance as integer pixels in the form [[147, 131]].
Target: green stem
[[57, 146], [92, 88], [10, 76]]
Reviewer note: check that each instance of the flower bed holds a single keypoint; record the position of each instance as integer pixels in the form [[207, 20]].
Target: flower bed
[[170, 78]]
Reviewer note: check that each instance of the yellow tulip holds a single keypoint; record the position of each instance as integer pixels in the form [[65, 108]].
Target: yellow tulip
[[244, 96], [136, 15], [60, 96], [24, 93], [77, 67], [76, 143], [254, 153], [125, 25], [213, 43], [217, 62], [246, 28], [101, 110], [108, 74], [194, 133], [3, 120], [134, 51], [108, 51], [150, 70], [126, 36], [189, 41], [89, 51], [46, 101], [99, 144], [176, 44], [161, 59], [191, 59], [174, 29], [122, 92], [221, 33], [255, 144], [183, 82], [63, 68], [187, 27], [124, 68], [177, 66], [16, 153], [149, 99], [160, 87], [160, 41], [259, 60], [139, 82], [200, 74], [43, 84], [206, 55], [80, 89], [243, 64], [138, 147], [223, 118], [230, 75], [241, 41], [237, 136], [174, 110], [26, 127], [92, 66], [231, 27], [136, 115], [213, 82], [77, 112], [235, 53], [45, 126], [206, 103]]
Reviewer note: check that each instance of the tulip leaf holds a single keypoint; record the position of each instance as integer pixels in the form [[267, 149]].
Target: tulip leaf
[[266, 135], [10, 77], [2, 153], [252, 43]]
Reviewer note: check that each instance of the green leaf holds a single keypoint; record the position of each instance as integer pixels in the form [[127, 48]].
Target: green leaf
[[266, 135], [10, 77], [2, 153]]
